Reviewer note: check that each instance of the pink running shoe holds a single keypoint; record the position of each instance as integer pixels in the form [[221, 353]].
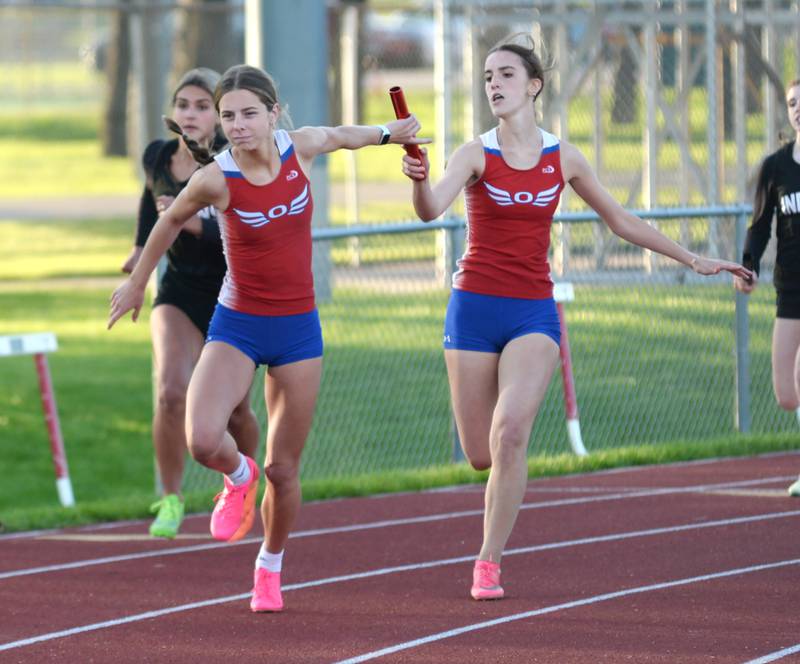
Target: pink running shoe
[[486, 580], [234, 512], [266, 592]]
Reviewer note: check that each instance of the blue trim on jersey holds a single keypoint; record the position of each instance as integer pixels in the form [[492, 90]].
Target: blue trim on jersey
[[552, 148], [233, 174], [487, 323], [493, 151], [289, 152]]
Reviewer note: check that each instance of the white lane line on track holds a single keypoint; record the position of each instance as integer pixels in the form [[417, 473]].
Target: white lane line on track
[[394, 570], [447, 489], [775, 656], [44, 569], [561, 607], [118, 537]]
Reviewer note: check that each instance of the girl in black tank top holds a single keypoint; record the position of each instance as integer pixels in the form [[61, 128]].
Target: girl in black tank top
[[778, 193]]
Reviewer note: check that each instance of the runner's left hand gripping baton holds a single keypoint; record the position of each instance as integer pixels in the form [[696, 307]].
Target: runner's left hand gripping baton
[[401, 112]]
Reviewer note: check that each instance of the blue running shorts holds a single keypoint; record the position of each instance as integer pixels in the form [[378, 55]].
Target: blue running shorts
[[270, 340], [487, 323]]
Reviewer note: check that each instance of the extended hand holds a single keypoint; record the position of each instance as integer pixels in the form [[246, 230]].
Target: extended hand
[[708, 266], [128, 296], [404, 132], [745, 285]]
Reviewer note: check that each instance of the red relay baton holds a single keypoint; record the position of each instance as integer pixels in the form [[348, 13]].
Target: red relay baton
[[401, 112]]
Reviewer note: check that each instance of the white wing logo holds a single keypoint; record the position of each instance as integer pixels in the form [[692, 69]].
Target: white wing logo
[[544, 198], [299, 204], [254, 219], [499, 196], [258, 219]]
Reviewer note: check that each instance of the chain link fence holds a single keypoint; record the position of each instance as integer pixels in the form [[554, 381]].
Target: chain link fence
[[653, 351], [673, 102]]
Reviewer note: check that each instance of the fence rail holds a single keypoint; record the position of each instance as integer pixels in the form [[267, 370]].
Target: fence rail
[[658, 356]]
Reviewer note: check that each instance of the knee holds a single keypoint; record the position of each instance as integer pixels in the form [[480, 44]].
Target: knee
[[282, 474], [172, 399], [476, 451], [203, 442], [788, 402], [479, 461], [510, 440]]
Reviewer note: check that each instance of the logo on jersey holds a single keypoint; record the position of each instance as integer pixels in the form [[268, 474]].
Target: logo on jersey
[[548, 169], [258, 219], [292, 175], [790, 204], [541, 199]]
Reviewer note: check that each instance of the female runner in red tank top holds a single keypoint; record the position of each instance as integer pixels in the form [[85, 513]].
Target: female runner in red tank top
[[265, 313], [501, 328]]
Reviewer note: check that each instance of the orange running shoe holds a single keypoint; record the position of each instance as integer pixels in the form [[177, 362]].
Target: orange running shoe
[[486, 580], [234, 512], [266, 592]]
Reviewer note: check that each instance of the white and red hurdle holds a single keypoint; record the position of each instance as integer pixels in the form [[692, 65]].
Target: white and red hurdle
[[564, 292], [38, 345]]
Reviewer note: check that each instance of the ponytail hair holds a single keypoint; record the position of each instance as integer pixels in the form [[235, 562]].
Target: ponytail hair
[[202, 155]]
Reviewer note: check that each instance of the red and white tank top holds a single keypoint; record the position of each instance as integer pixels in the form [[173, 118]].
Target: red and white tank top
[[509, 215], [266, 236]]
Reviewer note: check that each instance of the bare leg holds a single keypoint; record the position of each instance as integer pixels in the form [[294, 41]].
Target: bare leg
[[220, 381], [291, 394], [177, 344], [243, 426], [473, 390], [786, 363], [526, 367]]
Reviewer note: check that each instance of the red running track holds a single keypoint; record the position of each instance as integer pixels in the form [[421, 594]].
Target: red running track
[[687, 562]]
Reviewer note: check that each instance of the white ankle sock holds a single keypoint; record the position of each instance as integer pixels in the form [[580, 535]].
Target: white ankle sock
[[269, 561], [242, 473]]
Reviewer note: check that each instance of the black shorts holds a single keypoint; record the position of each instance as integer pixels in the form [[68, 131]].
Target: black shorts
[[788, 303], [196, 304]]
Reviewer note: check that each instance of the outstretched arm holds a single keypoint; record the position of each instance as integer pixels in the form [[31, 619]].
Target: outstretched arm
[[583, 180], [313, 141], [465, 166], [203, 190]]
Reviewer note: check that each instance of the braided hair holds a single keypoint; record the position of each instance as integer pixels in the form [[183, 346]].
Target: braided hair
[[202, 155]]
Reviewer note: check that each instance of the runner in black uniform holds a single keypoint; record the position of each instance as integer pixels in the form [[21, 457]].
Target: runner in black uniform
[[187, 293], [778, 192]]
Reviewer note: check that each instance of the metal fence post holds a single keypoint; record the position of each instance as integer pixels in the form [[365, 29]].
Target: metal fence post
[[742, 415]]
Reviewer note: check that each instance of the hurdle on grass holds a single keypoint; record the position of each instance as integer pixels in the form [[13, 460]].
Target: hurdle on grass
[[564, 292], [38, 345]]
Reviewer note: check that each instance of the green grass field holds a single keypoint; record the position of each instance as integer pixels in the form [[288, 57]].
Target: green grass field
[[654, 390]]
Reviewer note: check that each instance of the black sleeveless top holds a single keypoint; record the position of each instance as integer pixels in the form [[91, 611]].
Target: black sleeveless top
[[197, 262], [777, 191]]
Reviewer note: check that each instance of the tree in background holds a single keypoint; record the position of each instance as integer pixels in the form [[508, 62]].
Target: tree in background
[[209, 33], [117, 67]]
